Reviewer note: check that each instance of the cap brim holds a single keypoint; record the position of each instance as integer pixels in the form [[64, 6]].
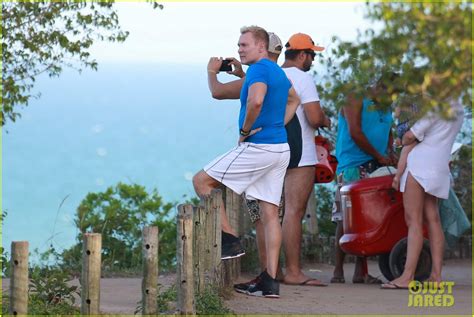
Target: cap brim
[[318, 48]]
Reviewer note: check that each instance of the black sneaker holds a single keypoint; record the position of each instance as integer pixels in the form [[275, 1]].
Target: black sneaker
[[231, 250], [243, 287], [266, 287], [228, 238]]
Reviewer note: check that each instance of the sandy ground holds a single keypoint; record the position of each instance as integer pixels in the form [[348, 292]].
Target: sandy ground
[[351, 298], [121, 295]]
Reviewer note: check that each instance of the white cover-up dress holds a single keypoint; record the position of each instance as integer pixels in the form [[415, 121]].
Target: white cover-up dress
[[428, 161]]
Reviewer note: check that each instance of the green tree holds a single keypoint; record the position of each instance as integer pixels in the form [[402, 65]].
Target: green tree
[[428, 43], [119, 214], [3, 253], [461, 169], [325, 198], [44, 37]]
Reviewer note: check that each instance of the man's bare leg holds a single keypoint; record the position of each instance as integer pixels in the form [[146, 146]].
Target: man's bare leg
[[273, 236], [338, 274], [299, 183], [203, 185]]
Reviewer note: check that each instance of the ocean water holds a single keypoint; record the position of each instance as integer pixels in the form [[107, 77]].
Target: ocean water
[[154, 125]]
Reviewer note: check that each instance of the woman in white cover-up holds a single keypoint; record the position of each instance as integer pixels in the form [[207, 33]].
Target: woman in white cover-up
[[425, 179]]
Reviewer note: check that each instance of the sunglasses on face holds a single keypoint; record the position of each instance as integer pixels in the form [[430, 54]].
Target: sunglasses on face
[[311, 53]]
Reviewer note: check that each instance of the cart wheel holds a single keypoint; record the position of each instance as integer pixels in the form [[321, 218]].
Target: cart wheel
[[398, 256], [384, 266]]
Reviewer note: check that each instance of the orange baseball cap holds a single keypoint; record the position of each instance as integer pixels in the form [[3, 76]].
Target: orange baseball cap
[[301, 41]]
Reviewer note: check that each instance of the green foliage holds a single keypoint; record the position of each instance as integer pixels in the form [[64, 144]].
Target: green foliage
[[207, 303], [44, 37], [210, 303], [165, 300], [4, 255], [119, 214], [325, 199], [49, 293], [195, 201], [428, 43], [461, 169]]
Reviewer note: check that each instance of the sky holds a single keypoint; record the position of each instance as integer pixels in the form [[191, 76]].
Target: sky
[[189, 33]]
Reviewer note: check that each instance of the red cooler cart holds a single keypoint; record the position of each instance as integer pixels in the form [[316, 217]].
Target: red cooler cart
[[374, 224]]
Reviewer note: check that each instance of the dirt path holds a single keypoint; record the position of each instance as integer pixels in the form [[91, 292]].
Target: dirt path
[[121, 295], [351, 298]]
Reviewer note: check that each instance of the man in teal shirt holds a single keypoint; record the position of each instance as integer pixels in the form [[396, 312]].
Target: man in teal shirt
[[364, 143]]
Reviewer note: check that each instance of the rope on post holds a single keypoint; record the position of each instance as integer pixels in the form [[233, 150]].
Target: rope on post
[[90, 279], [184, 257], [19, 280], [150, 270]]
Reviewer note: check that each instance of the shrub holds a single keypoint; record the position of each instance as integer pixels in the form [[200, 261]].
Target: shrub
[[119, 214]]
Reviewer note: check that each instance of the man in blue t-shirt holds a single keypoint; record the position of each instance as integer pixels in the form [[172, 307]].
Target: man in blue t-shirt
[[257, 165]]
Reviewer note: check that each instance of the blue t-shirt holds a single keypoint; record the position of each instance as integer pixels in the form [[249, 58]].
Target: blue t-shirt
[[272, 114], [376, 125]]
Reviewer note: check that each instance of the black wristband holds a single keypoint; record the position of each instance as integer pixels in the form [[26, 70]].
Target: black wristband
[[244, 133]]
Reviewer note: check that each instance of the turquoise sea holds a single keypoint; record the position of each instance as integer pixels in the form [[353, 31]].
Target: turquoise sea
[[154, 125]]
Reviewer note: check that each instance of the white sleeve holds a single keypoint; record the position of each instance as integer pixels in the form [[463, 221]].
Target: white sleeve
[[308, 92], [421, 126]]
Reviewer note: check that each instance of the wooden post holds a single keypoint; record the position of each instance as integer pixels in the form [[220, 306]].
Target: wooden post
[[90, 279], [214, 230], [200, 247], [150, 270], [184, 256], [207, 240], [19, 280], [233, 209]]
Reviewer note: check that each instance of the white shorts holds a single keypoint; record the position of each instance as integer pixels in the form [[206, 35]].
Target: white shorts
[[256, 169]]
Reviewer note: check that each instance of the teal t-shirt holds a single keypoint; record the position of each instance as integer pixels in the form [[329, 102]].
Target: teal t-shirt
[[376, 125], [272, 114]]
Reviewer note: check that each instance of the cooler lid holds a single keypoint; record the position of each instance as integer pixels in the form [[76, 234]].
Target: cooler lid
[[368, 184]]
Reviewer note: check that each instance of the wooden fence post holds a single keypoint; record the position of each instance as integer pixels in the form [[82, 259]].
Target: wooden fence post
[[184, 257], [201, 249], [214, 232], [234, 210], [19, 280], [150, 270], [90, 279], [207, 241]]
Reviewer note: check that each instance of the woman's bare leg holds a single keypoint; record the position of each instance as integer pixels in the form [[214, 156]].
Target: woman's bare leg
[[431, 215], [413, 202]]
